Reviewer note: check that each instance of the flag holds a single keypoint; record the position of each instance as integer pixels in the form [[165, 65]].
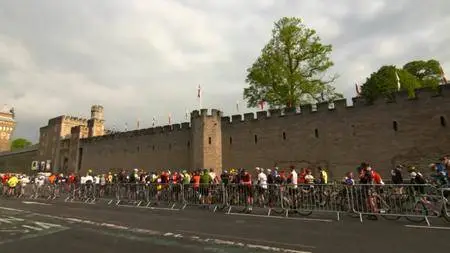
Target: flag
[[153, 122], [358, 92], [199, 96], [261, 104], [444, 80], [398, 80], [237, 106]]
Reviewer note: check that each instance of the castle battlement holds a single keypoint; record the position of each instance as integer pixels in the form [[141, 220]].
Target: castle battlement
[[185, 126], [401, 97], [206, 113], [76, 119]]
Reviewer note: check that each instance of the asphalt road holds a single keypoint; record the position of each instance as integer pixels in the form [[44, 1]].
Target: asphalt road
[[73, 228]]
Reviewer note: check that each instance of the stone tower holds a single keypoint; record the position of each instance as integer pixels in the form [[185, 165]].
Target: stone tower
[[97, 112], [206, 140], [96, 123], [7, 125]]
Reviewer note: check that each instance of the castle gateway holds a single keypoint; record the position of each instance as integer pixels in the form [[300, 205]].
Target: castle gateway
[[412, 131]]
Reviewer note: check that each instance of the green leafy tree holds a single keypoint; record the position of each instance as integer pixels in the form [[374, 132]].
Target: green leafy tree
[[291, 68], [427, 72], [20, 143], [384, 82]]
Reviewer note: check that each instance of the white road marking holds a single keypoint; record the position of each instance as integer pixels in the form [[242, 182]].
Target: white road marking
[[174, 235], [11, 230], [280, 217], [11, 209], [33, 228], [151, 207], [35, 203], [247, 239], [10, 220], [427, 227]]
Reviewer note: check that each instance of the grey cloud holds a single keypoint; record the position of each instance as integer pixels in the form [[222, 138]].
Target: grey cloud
[[142, 58]]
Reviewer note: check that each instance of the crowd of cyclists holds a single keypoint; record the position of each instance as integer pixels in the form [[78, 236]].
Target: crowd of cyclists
[[256, 185]]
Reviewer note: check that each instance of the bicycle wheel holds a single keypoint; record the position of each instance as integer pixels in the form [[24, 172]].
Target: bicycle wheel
[[387, 212], [419, 211]]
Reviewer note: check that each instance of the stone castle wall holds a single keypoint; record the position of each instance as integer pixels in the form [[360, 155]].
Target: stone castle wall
[[18, 161], [412, 131], [150, 149]]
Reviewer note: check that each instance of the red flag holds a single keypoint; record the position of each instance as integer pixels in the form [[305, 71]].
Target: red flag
[[261, 104], [357, 89]]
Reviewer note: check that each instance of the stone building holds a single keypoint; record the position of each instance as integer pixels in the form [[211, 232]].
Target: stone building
[[403, 130], [7, 125]]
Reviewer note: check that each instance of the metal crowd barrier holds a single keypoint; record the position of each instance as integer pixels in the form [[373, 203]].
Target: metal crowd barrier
[[416, 203]]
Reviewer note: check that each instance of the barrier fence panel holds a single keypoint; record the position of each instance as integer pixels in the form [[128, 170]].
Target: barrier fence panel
[[305, 199], [416, 203], [203, 195]]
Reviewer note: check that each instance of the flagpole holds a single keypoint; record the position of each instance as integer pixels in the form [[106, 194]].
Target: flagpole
[[444, 80], [199, 96], [398, 80], [237, 106], [358, 92]]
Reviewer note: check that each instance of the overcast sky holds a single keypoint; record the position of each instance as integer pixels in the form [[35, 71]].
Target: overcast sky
[[145, 58]]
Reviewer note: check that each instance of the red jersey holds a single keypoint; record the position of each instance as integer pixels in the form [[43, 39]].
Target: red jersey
[[377, 177], [247, 179]]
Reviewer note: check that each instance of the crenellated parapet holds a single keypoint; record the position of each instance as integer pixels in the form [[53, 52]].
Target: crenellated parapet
[[340, 105], [75, 120], [167, 129], [206, 113]]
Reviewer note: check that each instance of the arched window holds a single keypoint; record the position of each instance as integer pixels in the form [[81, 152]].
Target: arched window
[[316, 132], [284, 135], [256, 138]]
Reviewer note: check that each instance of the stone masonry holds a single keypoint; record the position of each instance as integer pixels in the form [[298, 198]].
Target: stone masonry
[[7, 126], [409, 131]]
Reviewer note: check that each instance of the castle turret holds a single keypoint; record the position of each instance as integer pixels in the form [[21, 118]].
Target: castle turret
[[97, 112], [96, 122], [206, 140], [7, 126]]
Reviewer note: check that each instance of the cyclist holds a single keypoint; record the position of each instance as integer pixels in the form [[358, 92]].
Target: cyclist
[[440, 173], [323, 176], [246, 181], [262, 186], [397, 178], [396, 175], [12, 183], [348, 179], [225, 177], [309, 178], [205, 183]]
